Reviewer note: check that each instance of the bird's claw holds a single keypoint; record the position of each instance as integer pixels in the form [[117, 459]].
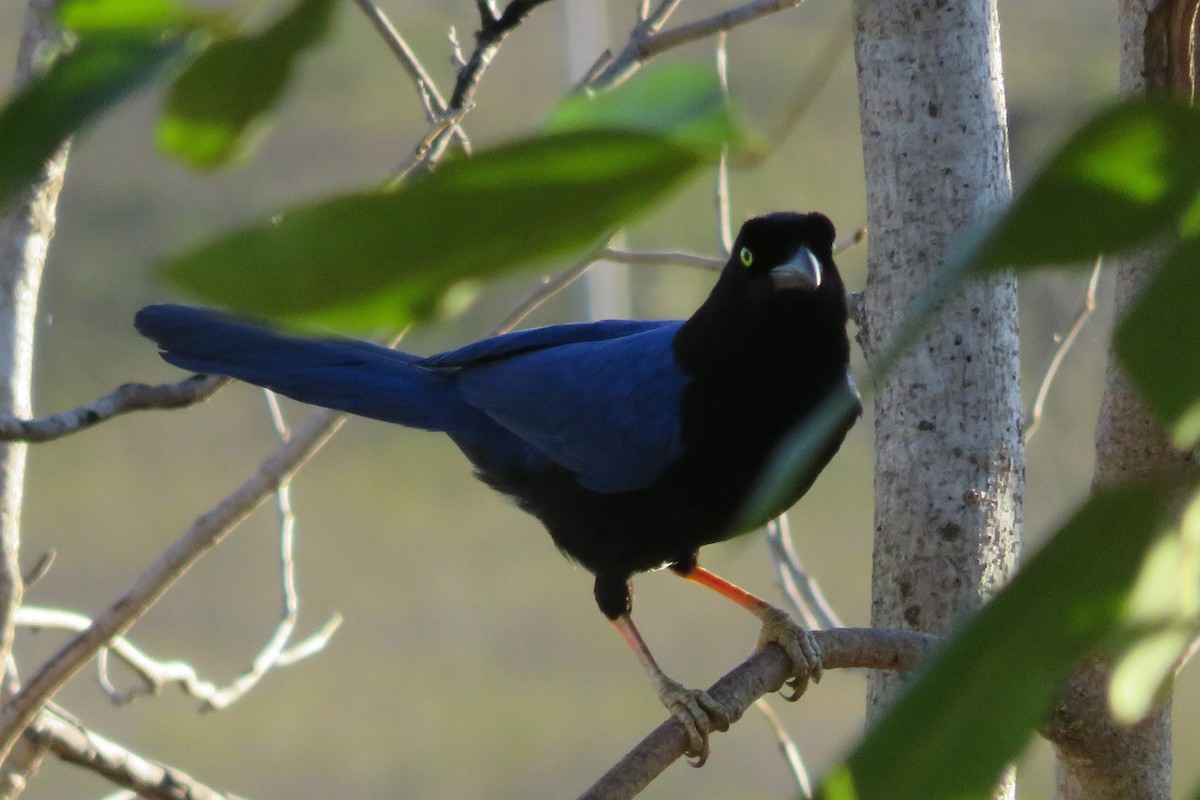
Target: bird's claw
[[697, 711], [799, 644]]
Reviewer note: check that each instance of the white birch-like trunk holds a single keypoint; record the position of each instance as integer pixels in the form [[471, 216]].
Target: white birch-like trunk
[[1097, 759], [25, 231], [949, 459], [26, 228]]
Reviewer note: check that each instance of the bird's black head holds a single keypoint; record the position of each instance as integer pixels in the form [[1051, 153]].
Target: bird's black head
[[785, 249], [779, 292]]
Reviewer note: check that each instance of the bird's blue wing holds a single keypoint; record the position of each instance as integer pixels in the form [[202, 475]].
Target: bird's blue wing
[[605, 407], [520, 342]]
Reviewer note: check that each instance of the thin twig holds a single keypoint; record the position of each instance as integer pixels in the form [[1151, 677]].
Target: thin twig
[[647, 40], [799, 587], [494, 28], [787, 746], [1034, 417], [678, 259], [851, 241], [70, 741], [431, 98], [721, 199], [156, 673], [39, 569], [765, 671], [123, 399], [549, 287], [205, 532], [837, 44]]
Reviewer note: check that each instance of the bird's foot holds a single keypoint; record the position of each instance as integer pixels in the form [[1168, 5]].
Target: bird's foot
[[696, 711], [799, 644]]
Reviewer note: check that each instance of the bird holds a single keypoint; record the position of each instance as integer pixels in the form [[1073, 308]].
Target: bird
[[634, 442]]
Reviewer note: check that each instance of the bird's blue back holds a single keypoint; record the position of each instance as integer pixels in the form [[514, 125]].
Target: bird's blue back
[[600, 400]]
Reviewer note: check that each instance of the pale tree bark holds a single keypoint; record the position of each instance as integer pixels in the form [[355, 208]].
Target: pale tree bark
[[949, 459], [1097, 758], [26, 228]]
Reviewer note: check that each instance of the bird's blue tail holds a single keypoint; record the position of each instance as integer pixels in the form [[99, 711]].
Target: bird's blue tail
[[347, 375]]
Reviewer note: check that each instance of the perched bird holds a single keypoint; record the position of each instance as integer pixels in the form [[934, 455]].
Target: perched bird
[[634, 442]]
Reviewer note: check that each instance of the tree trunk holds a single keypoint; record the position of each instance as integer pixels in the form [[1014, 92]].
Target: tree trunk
[[1098, 759], [949, 459], [26, 228]]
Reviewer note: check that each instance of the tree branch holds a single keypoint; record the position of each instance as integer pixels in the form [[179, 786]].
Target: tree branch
[[1034, 417], [763, 672], [205, 532], [647, 41], [70, 741], [493, 30], [123, 399]]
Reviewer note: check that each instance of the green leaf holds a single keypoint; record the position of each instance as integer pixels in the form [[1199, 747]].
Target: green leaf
[[1158, 346], [213, 107], [383, 259], [680, 101], [972, 709], [100, 15], [1163, 616], [100, 70], [1125, 176]]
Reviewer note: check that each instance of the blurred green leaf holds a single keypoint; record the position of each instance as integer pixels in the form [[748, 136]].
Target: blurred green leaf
[[1158, 345], [971, 710], [680, 101], [383, 259], [1163, 618], [99, 15], [1127, 175], [96, 73], [213, 106]]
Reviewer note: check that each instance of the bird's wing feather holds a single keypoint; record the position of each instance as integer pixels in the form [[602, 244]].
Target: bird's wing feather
[[605, 408], [517, 343]]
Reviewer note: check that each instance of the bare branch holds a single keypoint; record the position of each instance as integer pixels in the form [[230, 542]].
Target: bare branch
[[799, 587], [763, 672], [427, 90], [493, 30], [204, 533], [787, 746], [155, 673], [122, 400], [491, 34], [721, 199], [549, 287], [848, 242], [1034, 417], [70, 741], [675, 258], [647, 40]]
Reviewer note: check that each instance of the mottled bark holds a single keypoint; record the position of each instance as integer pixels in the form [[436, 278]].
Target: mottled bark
[[949, 463], [1097, 758]]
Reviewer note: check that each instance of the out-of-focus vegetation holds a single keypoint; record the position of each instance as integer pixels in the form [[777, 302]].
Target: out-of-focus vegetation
[[464, 626]]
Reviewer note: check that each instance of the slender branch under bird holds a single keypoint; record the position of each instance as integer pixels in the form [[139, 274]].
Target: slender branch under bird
[[763, 672]]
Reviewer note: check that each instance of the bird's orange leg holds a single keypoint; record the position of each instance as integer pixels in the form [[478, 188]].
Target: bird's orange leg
[[777, 627], [694, 708]]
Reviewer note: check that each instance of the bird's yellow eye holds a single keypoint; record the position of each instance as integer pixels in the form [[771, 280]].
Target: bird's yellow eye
[[746, 256]]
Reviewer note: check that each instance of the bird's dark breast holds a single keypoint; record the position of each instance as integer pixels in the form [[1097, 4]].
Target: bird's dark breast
[[731, 424]]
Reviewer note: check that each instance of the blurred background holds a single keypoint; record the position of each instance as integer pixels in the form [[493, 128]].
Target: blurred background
[[473, 662]]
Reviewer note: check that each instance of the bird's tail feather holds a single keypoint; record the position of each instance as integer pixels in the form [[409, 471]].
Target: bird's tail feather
[[356, 377]]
